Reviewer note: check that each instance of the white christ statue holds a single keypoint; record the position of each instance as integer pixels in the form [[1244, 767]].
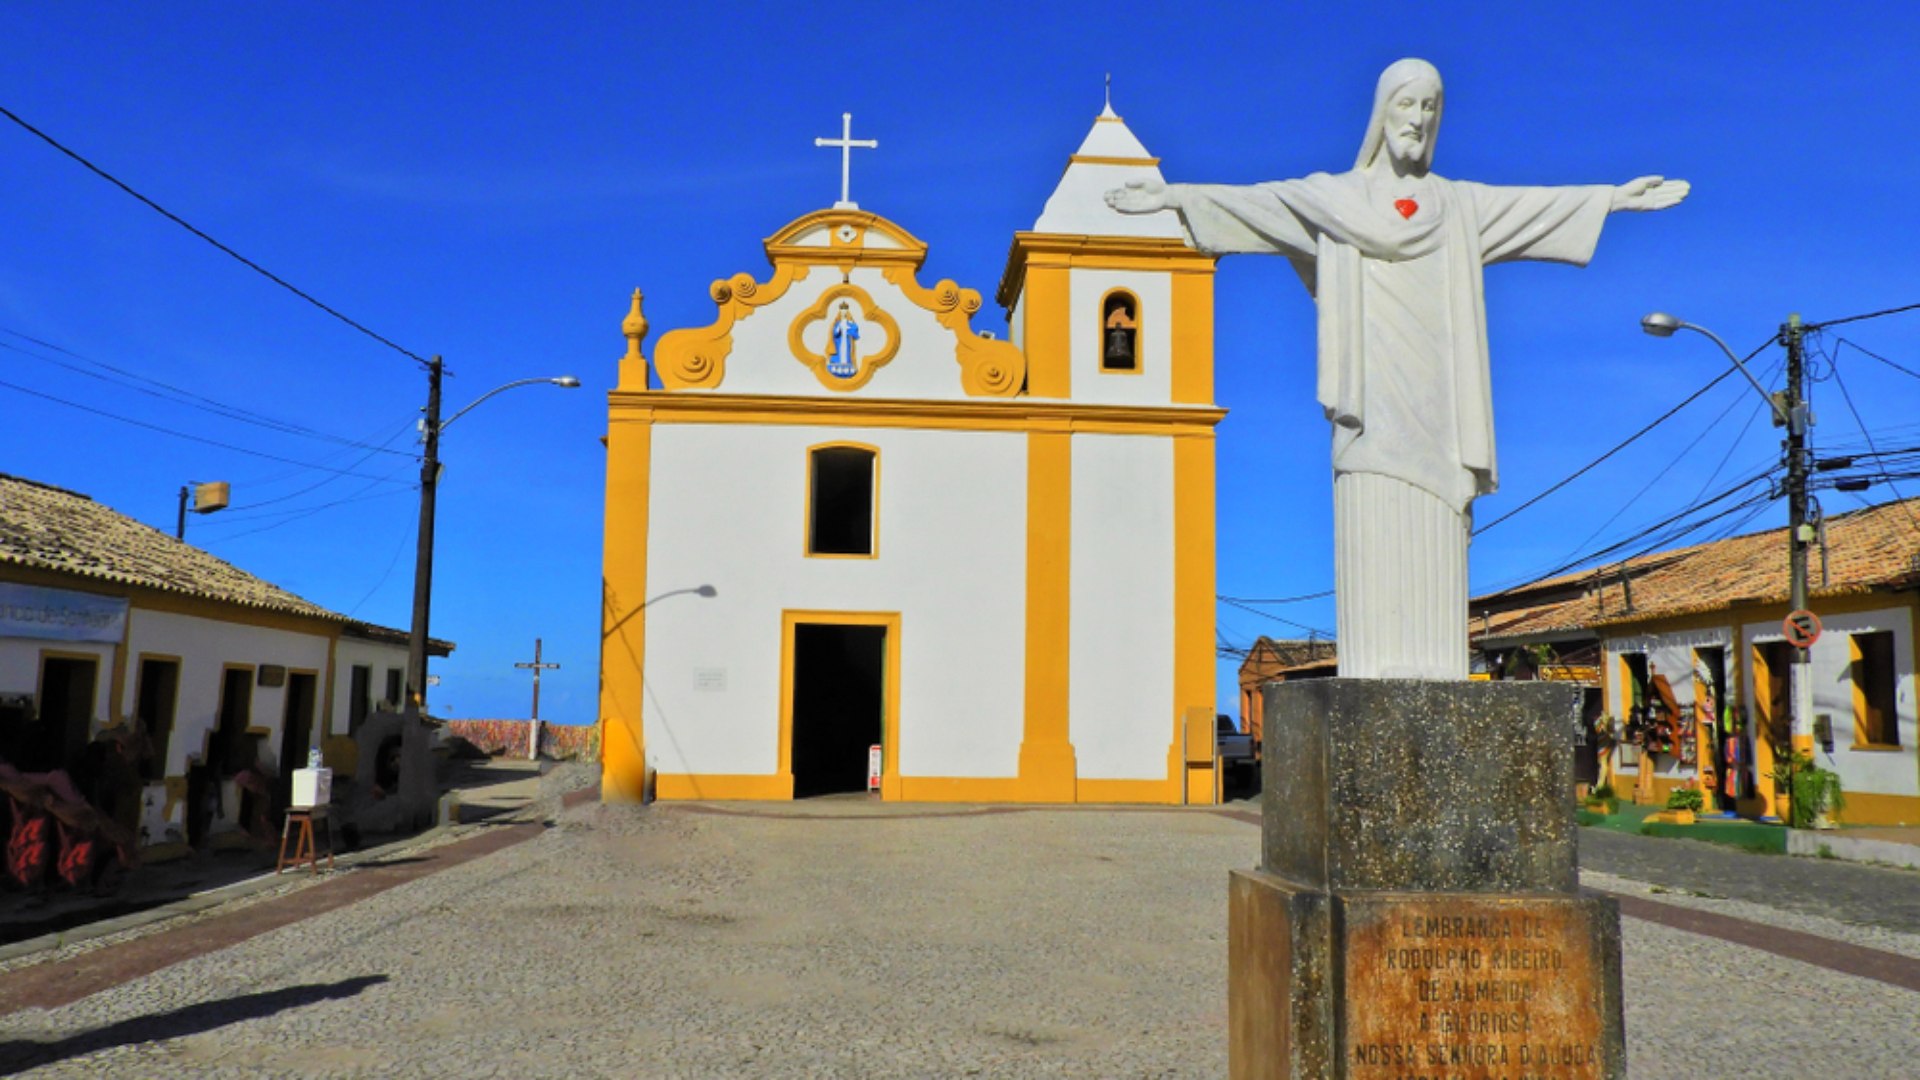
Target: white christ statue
[[1392, 254]]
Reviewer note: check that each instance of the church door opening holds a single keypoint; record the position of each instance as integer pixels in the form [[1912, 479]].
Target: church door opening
[[839, 705]]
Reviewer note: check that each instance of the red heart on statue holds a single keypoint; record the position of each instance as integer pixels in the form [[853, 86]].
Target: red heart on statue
[[1407, 207]]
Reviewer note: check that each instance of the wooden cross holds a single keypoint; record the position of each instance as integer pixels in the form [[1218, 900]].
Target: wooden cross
[[533, 741], [846, 142]]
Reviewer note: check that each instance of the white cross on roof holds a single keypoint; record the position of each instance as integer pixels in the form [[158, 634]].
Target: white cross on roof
[[846, 142]]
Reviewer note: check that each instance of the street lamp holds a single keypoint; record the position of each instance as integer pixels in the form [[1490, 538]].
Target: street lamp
[[1662, 325], [1789, 411], [423, 556]]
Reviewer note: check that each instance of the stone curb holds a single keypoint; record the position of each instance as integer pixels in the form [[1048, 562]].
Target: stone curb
[[1835, 845]]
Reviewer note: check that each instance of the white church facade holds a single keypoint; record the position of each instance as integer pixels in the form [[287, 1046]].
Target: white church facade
[[844, 516]]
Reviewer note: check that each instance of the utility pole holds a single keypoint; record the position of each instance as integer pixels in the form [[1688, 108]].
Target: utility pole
[[1799, 530], [533, 740], [423, 555]]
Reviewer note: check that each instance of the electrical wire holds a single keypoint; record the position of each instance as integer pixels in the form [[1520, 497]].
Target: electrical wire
[[1862, 318], [174, 394], [1844, 343], [398, 547], [176, 434], [1317, 632], [1868, 435], [1589, 466], [1322, 594], [307, 512], [183, 223]]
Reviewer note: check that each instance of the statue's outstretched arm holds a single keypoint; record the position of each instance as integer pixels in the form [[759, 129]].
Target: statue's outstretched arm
[[1143, 196], [1650, 193]]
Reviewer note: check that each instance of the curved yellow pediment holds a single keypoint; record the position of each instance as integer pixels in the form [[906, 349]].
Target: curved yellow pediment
[[695, 358], [845, 238]]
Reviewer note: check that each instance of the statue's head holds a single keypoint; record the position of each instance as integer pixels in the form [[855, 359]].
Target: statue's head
[[1406, 115]]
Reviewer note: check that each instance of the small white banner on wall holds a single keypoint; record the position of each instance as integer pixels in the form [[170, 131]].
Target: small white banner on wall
[[710, 680], [874, 759], [30, 611]]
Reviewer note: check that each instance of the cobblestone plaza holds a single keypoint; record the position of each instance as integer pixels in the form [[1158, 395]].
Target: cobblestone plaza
[[848, 938]]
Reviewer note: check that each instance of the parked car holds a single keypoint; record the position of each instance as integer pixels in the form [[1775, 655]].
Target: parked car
[[1233, 749]]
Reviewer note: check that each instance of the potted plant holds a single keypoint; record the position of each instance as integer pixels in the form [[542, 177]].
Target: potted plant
[[1814, 795], [1682, 804], [1601, 800]]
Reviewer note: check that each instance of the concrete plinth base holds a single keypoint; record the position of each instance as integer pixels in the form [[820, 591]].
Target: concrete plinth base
[[1417, 910]]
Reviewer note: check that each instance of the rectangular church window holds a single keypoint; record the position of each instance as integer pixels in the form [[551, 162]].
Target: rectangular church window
[[840, 489]]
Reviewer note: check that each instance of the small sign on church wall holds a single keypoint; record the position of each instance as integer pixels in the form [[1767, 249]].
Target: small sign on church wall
[[710, 680], [873, 767]]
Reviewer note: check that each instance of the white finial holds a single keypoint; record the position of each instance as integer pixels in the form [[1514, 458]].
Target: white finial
[[1107, 113], [846, 142]]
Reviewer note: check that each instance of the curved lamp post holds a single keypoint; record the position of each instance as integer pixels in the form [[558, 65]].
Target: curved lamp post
[[423, 556], [1662, 325]]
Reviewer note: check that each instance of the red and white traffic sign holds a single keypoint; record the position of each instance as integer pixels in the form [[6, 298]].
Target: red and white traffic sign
[[1803, 628]]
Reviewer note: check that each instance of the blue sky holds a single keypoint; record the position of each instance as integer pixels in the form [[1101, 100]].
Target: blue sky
[[489, 182]]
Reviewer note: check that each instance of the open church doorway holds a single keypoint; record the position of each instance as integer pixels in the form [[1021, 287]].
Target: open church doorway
[[840, 671]]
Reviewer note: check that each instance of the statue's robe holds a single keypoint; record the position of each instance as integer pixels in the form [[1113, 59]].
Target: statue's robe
[[1402, 374]]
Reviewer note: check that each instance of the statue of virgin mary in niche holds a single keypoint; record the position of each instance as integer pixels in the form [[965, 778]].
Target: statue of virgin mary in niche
[[844, 363]]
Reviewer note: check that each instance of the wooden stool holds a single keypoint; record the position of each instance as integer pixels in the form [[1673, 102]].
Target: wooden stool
[[304, 848]]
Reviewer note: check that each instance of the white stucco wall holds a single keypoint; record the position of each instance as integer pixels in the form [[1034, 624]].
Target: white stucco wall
[[20, 669], [1153, 385], [727, 508], [380, 658], [1121, 666], [204, 646]]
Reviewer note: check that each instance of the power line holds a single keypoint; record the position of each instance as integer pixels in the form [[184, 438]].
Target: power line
[[1861, 318], [1241, 600], [1868, 435], [177, 395], [1589, 466], [183, 223], [1842, 343], [307, 512], [1314, 630], [178, 434]]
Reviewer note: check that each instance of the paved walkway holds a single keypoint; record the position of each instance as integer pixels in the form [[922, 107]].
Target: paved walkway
[[843, 939]]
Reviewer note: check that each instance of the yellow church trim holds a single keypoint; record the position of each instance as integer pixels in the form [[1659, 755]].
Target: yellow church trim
[[1192, 332], [988, 367], [806, 538], [1193, 585], [847, 232], [1031, 251], [1047, 764], [1018, 414], [723, 786], [695, 358], [623, 634], [822, 311], [1047, 336], [1099, 159]]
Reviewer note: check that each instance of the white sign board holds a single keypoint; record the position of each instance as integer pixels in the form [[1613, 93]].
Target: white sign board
[[874, 758], [30, 611], [710, 680]]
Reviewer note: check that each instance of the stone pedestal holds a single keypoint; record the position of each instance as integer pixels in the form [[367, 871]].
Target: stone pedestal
[[1417, 910]]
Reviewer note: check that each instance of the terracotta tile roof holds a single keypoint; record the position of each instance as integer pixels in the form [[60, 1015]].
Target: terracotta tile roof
[[50, 528], [1270, 657], [1868, 549]]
